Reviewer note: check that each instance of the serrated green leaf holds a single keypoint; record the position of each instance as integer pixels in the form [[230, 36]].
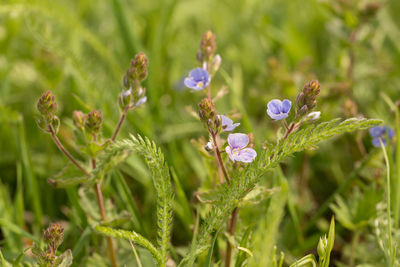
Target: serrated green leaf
[[135, 238]]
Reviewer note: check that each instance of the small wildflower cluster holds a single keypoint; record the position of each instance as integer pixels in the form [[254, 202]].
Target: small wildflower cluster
[[53, 237], [47, 107], [88, 136], [379, 135], [306, 101], [199, 79], [133, 94]]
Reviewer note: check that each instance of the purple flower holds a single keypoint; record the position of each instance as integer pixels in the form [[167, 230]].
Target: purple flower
[[236, 149], [379, 132], [279, 110], [198, 79], [227, 124]]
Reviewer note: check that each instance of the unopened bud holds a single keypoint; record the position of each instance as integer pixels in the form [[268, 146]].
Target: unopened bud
[[79, 118], [207, 110], [306, 100], [207, 46], [315, 115], [209, 147], [312, 88], [136, 72], [47, 105], [215, 64], [94, 121], [54, 235]]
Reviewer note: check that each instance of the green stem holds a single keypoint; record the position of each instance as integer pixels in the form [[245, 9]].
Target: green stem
[[389, 219], [354, 244]]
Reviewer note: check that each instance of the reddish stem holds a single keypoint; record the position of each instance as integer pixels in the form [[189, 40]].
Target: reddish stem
[[231, 232], [121, 120], [221, 163], [64, 151]]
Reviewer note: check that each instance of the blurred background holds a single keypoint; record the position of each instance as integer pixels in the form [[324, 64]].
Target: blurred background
[[270, 49]]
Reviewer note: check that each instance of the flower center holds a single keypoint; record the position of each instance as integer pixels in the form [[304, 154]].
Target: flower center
[[235, 151], [200, 84]]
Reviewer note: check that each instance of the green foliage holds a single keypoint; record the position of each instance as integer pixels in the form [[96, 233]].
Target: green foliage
[[134, 237], [357, 211], [266, 235], [243, 182], [161, 180], [309, 137]]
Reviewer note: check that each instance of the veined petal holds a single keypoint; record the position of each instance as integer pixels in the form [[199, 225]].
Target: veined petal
[[228, 151], [286, 105], [274, 106], [189, 82], [238, 140], [227, 124], [141, 101], [278, 117], [246, 155]]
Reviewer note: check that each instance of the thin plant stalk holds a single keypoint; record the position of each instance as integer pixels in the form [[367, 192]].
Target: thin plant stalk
[[121, 120], [231, 232], [100, 201], [218, 152], [97, 188], [64, 151], [389, 219]]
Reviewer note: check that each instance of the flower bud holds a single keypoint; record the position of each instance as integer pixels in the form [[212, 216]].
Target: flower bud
[[207, 110], [306, 100], [48, 257], [94, 121], [136, 72], [79, 119], [315, 115], [207, 46], [209, 147], [209, 116], [47, 105], [322, 245], [54, 235], [215, 63]]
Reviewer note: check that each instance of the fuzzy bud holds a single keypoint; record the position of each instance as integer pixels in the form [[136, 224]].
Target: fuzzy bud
[[79, 119], [136, 72], [306, 100], [47, 105], [209, 115], [207, 110], [54, 235], [215, 64], [207, 46], [94, 121]]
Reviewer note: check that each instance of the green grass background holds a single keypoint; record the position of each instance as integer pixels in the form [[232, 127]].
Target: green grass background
[[269, 49]]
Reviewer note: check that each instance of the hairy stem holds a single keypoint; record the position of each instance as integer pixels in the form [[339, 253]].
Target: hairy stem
[[100, 201], [64, 151], [218, 152], [121, 120], [231, 232]]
